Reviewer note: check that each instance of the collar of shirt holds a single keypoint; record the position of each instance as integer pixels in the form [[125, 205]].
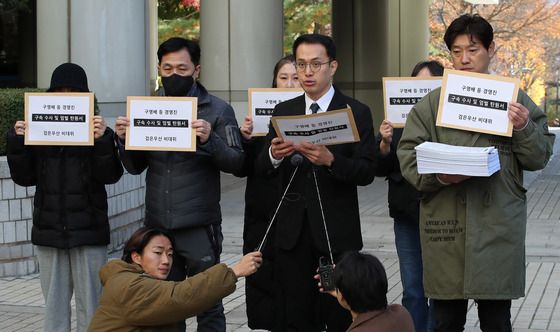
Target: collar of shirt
[[323, 102]]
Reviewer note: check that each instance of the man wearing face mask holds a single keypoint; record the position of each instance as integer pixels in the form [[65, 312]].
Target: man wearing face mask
[[183, 188]]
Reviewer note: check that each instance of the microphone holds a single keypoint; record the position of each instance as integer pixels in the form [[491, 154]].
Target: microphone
[[296, 159]]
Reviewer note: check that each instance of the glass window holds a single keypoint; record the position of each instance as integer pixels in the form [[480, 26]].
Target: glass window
[[18, 43]]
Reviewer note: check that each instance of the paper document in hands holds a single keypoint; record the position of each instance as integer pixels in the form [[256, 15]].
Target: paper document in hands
[[326, 128], [434, 158]]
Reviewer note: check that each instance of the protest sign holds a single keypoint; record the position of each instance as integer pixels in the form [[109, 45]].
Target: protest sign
[[59, 118], [400, 94], [476, 102], [161, 123], [261, 105]]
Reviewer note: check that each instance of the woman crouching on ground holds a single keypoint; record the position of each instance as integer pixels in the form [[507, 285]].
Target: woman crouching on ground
[[136, 296]]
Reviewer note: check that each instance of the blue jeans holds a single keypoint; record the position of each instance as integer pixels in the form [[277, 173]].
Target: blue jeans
[[407, 241]]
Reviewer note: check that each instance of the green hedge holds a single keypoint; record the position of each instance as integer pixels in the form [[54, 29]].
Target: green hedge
[[11, 110], [12, 104]]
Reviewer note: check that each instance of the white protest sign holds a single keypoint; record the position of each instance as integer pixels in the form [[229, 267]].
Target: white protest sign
[[401, 93], [476, 102], [59, 118], [261, 105], [326, 128], [161, 123]]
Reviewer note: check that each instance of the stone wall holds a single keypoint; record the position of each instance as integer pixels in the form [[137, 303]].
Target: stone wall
[[17, 257]]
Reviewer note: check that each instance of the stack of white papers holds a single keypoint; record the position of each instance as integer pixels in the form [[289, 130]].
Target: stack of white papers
[[451, 159]]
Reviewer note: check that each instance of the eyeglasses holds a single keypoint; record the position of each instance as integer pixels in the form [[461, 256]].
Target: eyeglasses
[[315, 66]]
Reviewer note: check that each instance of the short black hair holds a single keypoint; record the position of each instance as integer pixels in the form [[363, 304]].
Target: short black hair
[[315, 38], [175, 44], [362, 281], [140, 239], [435, 68], [472, 25]]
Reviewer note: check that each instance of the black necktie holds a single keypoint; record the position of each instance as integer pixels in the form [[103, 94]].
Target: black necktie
[[314, 108]]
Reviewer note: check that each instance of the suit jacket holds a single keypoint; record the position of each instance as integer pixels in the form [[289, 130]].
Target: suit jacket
[[354, 165]]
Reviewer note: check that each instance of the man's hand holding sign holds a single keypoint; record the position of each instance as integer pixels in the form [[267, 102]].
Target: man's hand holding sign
[[479, 102], [162, 124], [309, 135], [518, 115]]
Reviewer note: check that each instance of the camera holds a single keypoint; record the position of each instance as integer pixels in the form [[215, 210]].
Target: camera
[[326, 271]]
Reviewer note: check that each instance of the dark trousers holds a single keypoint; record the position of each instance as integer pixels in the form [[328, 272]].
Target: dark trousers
[[301, 306], [451, 315], [195, 251]]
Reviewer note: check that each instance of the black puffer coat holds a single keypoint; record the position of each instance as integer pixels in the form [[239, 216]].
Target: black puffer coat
[[183, 188], [70, 207], [404, 199]]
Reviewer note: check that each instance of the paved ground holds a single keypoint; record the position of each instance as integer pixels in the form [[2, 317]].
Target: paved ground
[[21, 302]]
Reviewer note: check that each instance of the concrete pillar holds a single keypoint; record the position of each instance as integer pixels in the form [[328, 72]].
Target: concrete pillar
[[52, 38], [360, 36], [152, 39], [107, 38], [410, 26], [214, 43], [241, 40], [376, 39]]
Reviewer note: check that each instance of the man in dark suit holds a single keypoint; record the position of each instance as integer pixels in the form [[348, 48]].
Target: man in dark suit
[[300, 233]]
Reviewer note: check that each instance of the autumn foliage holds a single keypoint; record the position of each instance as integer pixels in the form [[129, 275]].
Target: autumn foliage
[[305, 16], [178, 18], [527, 36]]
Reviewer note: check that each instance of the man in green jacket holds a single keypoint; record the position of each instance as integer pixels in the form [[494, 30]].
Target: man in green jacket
[[473, 228]]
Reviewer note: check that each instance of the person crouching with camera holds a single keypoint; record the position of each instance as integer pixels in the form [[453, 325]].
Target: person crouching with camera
[[360, 286]]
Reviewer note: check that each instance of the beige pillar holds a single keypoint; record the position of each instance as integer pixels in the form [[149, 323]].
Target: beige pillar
[[107, 38], [215, 48], [152, 40], [241, 40], [52, 38], [410, 29], [376, 39]]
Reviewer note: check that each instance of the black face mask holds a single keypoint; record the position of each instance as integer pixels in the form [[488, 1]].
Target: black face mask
[[177, 85]]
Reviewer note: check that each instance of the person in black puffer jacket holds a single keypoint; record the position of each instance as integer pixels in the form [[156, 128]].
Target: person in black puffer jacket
[[183, 188], [70, 223], [404, 208]]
